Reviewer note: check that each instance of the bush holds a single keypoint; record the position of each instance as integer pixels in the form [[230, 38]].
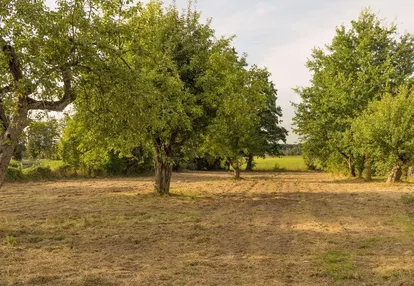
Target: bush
[[138, 162], [65, 171], [15, 164], [38, 173], [14, 174], [115, 164]]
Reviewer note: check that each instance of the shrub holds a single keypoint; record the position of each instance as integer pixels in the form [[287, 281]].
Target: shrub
[[65, 171], [38, 173], [14, 164], [115, 164], [14, 174], [276, 167]]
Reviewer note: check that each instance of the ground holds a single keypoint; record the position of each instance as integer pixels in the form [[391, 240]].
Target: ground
[[293, 228]]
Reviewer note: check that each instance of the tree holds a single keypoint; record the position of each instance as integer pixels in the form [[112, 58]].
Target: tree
[[42, 138], [237, 128], [154, 94], [360, 65], [269, 132], [385, 131], [41, 54]]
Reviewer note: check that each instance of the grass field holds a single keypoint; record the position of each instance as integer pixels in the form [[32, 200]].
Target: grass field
[[287, 163], [268, 229], [52, 164]]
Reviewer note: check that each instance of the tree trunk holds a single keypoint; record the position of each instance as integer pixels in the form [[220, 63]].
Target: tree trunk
[[6, 153], [12, 128], [368, 168], [395, 175], [236, 168], [352, 171], [237, 173], [163, 169], [163, 172], [410, 173], [351, 168], [249, 166], [13, 123]]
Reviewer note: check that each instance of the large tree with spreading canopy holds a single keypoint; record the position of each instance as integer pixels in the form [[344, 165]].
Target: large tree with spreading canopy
[[42, 53], [363, 62]]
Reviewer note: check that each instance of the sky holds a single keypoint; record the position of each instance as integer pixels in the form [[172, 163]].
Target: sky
[[280, 34]]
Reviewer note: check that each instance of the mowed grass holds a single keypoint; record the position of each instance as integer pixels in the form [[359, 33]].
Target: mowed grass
[[272, 228], [285, 163]]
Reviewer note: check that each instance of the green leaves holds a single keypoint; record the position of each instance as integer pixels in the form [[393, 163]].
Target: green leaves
[[148, 88], [42, 139], [360, 65], [385, 130]]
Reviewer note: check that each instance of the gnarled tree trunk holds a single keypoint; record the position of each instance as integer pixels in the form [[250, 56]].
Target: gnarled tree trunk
[[249, 166], [13, 122], [7, 146], [163, 168], [12, 129], [6, 152], [395, 175]]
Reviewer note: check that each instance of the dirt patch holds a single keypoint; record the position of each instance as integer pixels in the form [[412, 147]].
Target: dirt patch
[[268, 229]]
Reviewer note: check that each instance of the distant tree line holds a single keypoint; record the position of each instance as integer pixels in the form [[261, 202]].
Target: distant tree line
[[291, 149]]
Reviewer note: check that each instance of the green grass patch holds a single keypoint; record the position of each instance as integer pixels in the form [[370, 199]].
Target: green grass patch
[[52, 164], [338, 265], [408, 222], [286, 163], [370, 242], [408, 199], [43, 170], [10, 241]]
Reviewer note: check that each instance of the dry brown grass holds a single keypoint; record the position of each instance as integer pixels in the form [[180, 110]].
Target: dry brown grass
[[269, 229]]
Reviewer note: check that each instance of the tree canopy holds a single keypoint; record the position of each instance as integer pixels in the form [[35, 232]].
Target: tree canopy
[[42, 54], [361, 64], [168, 83], [385, 131]]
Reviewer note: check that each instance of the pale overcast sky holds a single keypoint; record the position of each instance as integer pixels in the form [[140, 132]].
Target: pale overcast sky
[[280, 34]]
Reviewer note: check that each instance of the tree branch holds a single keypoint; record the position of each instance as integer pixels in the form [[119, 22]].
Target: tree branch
[[68, 96], [3, 117], [14, 63]]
